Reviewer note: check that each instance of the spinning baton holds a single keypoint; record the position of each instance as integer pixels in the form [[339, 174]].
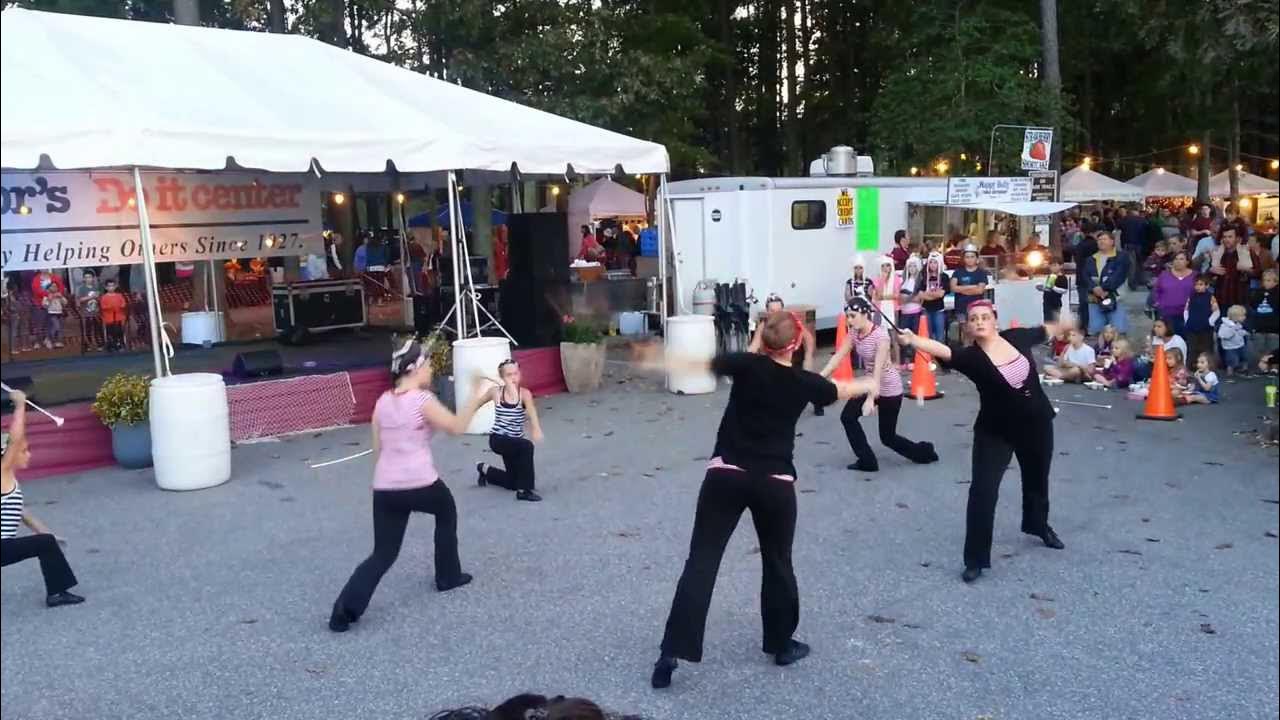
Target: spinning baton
[[56, 420], [341, 460], [1082, 404]]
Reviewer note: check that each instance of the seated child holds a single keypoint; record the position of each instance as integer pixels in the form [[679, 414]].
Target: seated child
[[1076, 364], [1060, 343], [1102, 347], [1117, 370], [1179, 378], [1204, 384], [1233, 336]]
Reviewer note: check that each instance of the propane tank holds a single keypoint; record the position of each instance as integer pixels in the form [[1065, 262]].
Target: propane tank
[[704, 298]]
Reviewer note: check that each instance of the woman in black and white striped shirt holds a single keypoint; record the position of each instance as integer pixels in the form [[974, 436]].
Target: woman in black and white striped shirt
[[42, 544], [512, 404]]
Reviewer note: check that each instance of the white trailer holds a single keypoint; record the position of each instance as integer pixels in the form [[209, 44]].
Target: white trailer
[[792, 236]]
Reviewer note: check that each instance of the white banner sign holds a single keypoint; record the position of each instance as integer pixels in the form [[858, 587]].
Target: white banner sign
[[969, 190], [1037, 145], [77, 219]]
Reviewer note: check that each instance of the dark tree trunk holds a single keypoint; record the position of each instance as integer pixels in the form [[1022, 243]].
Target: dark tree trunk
[[275, 16], [794, 156], [767, 103]]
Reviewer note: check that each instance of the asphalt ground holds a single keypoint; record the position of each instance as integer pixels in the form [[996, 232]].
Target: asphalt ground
[[213, 604]]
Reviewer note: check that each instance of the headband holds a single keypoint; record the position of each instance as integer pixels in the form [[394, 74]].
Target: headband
[[795, 341], [399, 359]]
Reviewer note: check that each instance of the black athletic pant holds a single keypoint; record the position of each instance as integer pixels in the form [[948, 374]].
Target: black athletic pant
[[53, 564], [724, 495], [991, 455], [517, 456], [391, 509], [888, 409]]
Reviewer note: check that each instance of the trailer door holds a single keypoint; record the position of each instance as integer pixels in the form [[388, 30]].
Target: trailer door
[[689, 244]]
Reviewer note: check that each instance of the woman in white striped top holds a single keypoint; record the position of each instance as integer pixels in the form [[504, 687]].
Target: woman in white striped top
[[43, 544], [512, 405]]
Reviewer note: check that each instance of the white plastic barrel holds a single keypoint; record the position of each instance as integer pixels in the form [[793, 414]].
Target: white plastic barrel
[[691, 337], [474, 356], [190, 431], [704, 298], [201, 327]]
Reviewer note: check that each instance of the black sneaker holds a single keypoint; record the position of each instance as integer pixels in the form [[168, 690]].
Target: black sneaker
[[480, 475], [340, 620], [457, 582], [63, 598], [1051, 539], [970, 574], [798, 651], [662, 672], [864, 466], [528, 496]]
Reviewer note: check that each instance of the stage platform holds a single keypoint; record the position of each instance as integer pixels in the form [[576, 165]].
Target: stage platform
[[349, 369]]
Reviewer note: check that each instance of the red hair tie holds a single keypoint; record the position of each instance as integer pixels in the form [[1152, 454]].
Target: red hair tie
[[980, 304], [795, 341]]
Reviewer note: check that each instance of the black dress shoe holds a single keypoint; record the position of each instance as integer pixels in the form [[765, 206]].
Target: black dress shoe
[[662, 672], [927, 453], [480, 475], [796, 652], [528, 496], [1051, 539], [457, 582], [970, 574], [63, 598], [340, 620], [864, 466]]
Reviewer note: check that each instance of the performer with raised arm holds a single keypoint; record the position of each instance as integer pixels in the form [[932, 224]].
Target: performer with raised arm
[[802, 357], [752, 469], [871, 342], [405, 481], [1014, 419], [512, 405], [42, 543]]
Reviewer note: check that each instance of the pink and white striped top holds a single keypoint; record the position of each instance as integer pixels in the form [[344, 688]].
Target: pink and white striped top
[[866, 347], [1016, 371], [404, 456]]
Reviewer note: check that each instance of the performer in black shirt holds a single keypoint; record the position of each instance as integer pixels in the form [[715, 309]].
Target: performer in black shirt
[[752, 469], [1014, 419]]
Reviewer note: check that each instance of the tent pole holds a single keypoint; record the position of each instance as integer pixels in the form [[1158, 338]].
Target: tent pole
[[453, 239], [466, 252], [666, 235], [407, 290], [149, 271]]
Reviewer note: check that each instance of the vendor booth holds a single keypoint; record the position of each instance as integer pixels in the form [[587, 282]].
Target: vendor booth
[[1247, 184], [147, 127], [1084, 184], [620, 283]]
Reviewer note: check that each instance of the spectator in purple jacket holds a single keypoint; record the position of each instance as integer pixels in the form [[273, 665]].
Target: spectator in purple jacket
[[1172, 289]]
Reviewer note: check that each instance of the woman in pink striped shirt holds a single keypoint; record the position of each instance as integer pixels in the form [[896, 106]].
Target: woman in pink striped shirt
[[872, 343], [405, 481]]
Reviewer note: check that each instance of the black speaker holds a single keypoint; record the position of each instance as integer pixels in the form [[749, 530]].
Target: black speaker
[[426, 311], [538, 246], [258, 363]]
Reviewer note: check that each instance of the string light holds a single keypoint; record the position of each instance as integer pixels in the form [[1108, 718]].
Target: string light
[[977, 167], [555, 189], [942, 167], [1245, 202], [963, 156], [1193, 149], [1275, 164], [339, 198], [1159, 171], [400, 198], [915, 170], [1239, 167], [24, 210]]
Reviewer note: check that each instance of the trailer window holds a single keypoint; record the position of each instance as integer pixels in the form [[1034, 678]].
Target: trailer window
[[808, 215]]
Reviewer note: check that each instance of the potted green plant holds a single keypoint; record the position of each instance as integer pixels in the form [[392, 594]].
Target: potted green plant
[[440, 353], [581, 356], [122, 405]]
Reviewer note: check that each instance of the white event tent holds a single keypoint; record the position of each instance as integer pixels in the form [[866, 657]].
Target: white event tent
[[85, 93], [1162, 183], [603, 198], [1083, 184], [1249, 184]]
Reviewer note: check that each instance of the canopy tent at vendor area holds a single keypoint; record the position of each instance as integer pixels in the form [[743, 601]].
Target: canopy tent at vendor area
[[1083, 184], [1159, 182], [496, 217], [1019, 209], [1249, 184], [603, 198], [150, 100]]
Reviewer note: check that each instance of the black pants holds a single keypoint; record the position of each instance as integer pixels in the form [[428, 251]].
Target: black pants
[[115, 336], [724, 495], [517, 456], [391, 509], [991, 455], [53, 564], [888, 409]]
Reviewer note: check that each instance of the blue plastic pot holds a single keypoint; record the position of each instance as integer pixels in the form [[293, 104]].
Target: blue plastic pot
[[131, 445]]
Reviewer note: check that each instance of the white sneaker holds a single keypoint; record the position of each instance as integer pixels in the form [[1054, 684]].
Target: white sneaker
[[47, 344]]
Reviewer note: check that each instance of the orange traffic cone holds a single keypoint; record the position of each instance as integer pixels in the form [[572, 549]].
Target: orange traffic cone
[[924, 386], [843, 371], [1159, 393]]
